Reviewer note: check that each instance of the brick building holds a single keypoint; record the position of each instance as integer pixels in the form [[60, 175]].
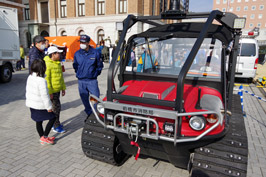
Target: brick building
[[253, 10], [100, 19]]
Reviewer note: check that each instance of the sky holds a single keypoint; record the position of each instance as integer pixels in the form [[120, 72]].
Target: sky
[[200, 5]]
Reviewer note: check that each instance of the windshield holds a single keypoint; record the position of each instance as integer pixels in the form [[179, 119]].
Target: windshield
[[248, 49], [152, 55]]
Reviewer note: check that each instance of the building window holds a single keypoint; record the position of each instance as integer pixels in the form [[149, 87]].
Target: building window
[[232, 1], [44, 12], [217, 8], [261, 7], [217, 1], [245, 16], [253, 7], [27, 12], [81, 8], [122, 6], [259, 25], [223, 10], [63, 33], [101, 7], [63, 8], [251, 25], [231, 9], [260, 16], [81, 32], [100, 35], [224, 1], [245, 8], [237, 8], [246, 0], [238, 0], [252, 16]]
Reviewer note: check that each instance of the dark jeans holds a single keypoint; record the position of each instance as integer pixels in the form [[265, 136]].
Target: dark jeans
[[56, 108], [18, 65], [47, 128], [22, 62]]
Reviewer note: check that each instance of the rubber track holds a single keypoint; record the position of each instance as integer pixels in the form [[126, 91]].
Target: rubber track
[[96, 142], [228, 156]]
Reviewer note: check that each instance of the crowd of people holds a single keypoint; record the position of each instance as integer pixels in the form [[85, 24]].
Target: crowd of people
[[45, 82]]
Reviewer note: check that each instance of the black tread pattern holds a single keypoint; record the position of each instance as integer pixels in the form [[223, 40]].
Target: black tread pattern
[[98, 143], [228, 156]]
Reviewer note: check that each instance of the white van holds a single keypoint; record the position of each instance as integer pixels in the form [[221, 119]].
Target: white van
[[247, 59]]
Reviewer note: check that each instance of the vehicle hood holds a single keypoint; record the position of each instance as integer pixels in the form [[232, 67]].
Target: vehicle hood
[[167, 91], [150, 89]]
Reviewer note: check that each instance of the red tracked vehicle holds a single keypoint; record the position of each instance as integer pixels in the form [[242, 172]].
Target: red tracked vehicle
[[176, 103]]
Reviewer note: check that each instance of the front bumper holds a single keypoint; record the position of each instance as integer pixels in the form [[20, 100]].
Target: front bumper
[[145, 114]]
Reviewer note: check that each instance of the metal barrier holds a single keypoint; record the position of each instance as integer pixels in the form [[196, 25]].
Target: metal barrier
[[240, 93]]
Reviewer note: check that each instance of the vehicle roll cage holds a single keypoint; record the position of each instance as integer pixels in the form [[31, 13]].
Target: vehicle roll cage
[[226, 19]]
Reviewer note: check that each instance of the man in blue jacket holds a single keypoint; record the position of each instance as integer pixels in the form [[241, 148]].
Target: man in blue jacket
[[37, 51], [88, 66]]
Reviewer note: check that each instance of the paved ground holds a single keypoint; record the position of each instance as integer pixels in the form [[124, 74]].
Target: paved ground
[[22, 155], [255, 122]]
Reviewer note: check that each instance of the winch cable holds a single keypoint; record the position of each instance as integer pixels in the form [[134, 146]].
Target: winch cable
[[133, 143]]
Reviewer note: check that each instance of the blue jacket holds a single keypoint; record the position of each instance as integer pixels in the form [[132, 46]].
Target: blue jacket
[[147, 61], [100, 49], [34, 54], [87, 65]]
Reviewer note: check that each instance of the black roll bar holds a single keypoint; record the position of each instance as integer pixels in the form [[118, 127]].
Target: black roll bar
[[231, 67], [226, 19], [128, 22]]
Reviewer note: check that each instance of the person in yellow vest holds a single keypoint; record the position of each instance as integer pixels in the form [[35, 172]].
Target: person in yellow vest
[[22, 57], [55, 83]]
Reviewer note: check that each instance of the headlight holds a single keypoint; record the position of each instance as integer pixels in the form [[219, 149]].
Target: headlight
[[110, 117], [197, 122], [93, 100], [211, 118], [100, 108], [239, 23], [169, 127]]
